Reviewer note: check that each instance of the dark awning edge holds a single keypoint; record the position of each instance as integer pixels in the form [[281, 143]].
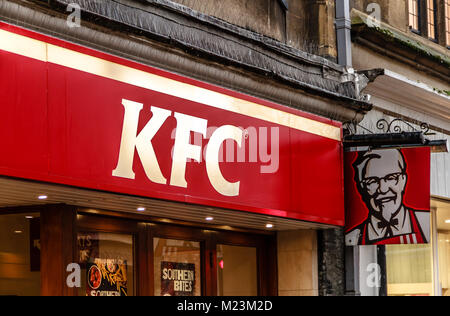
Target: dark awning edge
[[394, 140]]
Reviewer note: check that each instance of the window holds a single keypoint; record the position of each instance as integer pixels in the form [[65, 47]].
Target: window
[[127, 257], [444, 262], [177, 267], [447, 22], [237, 271], [409, 270], [414, 15], [20, 255], [431, 19], [106, 260]]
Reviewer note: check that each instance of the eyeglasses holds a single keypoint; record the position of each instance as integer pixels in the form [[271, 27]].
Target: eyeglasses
[[373, 183]]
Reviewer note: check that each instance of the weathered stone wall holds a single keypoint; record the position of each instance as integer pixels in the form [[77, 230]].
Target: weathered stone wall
[[306, 24], [262, 16], [331, 262], [393, 12], [297, 263]]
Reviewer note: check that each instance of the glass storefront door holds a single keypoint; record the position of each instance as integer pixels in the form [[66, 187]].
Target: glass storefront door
[[444, 262], [121, 257], [107, 264], [177, 267], [237, 271], [20, 255], [62, 250], [409, 270]]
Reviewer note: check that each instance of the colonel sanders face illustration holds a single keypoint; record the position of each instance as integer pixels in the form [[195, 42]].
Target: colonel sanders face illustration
[[381, 178]]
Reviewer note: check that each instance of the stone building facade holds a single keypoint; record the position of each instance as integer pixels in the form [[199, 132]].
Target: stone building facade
[[282, 52], [273, 50], [403, 47]]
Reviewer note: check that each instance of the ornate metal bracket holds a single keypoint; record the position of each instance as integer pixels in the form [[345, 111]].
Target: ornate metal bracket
[[394, 134], [385, 127], [399, 126]]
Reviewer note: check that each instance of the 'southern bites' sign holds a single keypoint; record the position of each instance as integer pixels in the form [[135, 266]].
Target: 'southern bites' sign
[[79, 117]]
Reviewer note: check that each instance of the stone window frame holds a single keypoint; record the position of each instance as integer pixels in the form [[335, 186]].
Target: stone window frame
[[432, 20], [441, 20], [447, 22], [414, 9]]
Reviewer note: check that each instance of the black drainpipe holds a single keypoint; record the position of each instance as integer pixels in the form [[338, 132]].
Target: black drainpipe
[[343, 33]]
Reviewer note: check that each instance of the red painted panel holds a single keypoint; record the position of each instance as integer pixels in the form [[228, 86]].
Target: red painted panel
[[317, 179], [23, 114], [64, 126]]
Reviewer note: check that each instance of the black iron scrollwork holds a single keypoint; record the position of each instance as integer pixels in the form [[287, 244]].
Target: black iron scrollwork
[[395, 126], [426, 129], [399, 126]]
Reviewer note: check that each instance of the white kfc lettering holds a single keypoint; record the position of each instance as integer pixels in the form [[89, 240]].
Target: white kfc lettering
[[142, 142], [212, 159], [183, 149]]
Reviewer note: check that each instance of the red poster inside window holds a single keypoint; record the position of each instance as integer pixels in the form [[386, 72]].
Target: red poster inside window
[[387, 196]]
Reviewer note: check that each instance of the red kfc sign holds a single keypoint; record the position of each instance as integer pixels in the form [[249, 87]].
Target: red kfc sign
[[182, 151], [71, 115], [388, 196]]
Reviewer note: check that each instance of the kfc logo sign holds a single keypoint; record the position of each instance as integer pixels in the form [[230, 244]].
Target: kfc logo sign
[[388, 197], [183, 149], [159, 135]]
